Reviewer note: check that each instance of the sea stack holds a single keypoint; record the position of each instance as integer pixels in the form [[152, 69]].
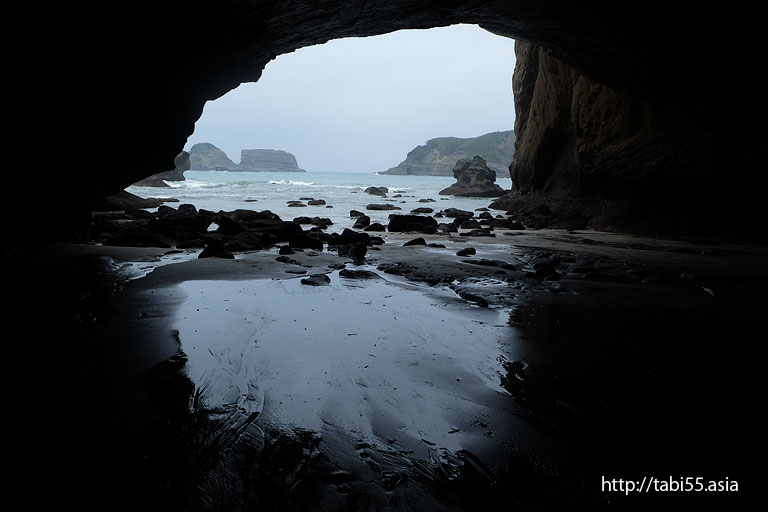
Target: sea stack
[[268, 160], [473, 179]]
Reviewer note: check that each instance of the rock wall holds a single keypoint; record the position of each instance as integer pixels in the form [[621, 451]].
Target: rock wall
[[615, 159]]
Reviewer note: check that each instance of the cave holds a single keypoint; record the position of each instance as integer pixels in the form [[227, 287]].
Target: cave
[[630, 119], [626, 103]]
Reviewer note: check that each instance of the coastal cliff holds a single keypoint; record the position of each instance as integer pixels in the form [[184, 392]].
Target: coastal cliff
[[438, 156], [268, 160], [207, 157]]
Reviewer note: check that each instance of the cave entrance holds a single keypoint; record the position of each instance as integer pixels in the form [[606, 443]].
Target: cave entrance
[[356, 106]]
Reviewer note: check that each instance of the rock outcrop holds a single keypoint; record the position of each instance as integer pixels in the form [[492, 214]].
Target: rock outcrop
[[268, 160], [204, 156], [438, 156], [609, 159], [207, 157], [473, 179], [182, 163]]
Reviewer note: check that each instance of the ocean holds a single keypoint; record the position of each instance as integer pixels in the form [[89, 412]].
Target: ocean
[[342, 192]]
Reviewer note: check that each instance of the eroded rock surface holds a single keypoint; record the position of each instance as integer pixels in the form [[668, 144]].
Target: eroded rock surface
[[473, 179]]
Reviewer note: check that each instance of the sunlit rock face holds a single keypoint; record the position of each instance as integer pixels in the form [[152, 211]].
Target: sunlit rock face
[[135, 75]]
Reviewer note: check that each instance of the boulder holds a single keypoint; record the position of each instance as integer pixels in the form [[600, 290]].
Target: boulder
[[317, 280], [410, 223], [473, 179], [377, 191], [362, 222], [382, 207]]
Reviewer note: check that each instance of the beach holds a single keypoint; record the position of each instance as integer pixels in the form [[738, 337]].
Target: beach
[[414, 379]]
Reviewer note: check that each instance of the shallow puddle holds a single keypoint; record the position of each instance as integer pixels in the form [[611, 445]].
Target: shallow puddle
[[383, 362]]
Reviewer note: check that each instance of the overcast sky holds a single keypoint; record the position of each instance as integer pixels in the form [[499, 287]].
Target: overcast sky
[[360, 104]]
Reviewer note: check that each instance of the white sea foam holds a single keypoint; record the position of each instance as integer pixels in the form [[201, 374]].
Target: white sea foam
[[290, 182]]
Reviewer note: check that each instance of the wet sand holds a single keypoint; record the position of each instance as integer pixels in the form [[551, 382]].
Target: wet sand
[[442, 383]]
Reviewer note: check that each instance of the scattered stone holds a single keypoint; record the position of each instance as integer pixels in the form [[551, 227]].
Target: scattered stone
[[422, 210], [359, 274], [215, 248], [415, 241], [427, 200], [437, 246], [399, 223], [469, 251], [305, 242], [245, 241], [316, 202], [382, 207], [356, 251], [375, 227], [377, 191], [355, 213], [362, 222], [455, 212], [286, 249], [317, 280]]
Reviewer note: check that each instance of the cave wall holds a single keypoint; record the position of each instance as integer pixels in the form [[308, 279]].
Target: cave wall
[[121, 85], [614, 159]]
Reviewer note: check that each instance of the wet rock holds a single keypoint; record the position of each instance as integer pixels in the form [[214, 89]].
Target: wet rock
[[422, 210], [481, 232], [399, 223], [415, 241], [377, 191], [455, 212], [469, 251], [427, 200], [429, 230], [349, 236], [195, 243], [375, 227], [447, 228], [382, 207], [356, 251], [358, 274], [139, 237], [305, 242], [316, 280], [436, 246], [362, 222], [471, 297], [214, 248], [470, 224], [245, 241], [229, 226], [286, 249], [316, 202], [506, 224], [355, 213]]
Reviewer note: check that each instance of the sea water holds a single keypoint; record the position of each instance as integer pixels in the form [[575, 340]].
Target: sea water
[[342, 192]]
